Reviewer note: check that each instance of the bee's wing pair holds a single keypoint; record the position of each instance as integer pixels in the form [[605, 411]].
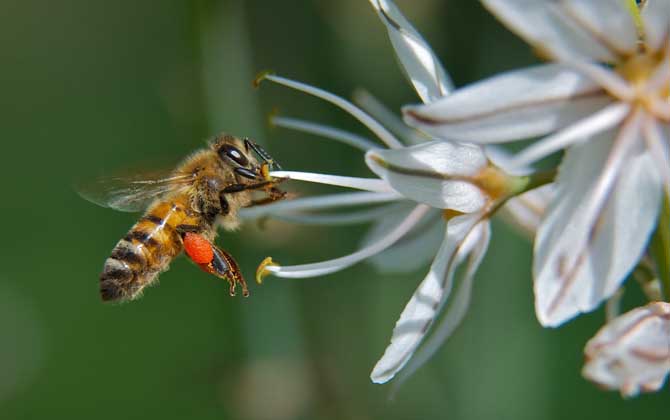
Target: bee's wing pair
[[131, 193]]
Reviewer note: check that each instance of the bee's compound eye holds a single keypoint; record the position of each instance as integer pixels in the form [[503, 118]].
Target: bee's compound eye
[[232, 152]]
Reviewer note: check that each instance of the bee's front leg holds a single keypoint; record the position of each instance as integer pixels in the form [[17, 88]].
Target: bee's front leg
[[214, 261]]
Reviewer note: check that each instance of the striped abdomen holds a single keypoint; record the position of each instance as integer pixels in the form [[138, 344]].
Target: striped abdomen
[[137, 259]]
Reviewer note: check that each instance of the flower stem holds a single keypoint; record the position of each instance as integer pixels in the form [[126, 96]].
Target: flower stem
[[660, 248], [539, 179]]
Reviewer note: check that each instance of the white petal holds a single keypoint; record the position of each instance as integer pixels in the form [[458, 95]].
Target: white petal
[[512, 106], [366, 184], [414, 250], [632, 352], [434, 173], [422, 308], [420, 64], [595, 234], [656, 18], [455, 312], [337, 264], [595, 29]]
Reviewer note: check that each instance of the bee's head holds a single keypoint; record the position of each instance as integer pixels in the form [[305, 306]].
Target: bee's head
[[243, 155]]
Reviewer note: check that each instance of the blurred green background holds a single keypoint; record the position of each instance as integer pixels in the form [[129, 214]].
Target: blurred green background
[[93, 86]]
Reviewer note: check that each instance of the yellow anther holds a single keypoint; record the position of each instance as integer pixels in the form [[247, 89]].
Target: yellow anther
[[262, 271]]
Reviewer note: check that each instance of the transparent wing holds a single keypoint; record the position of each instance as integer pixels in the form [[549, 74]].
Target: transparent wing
[[131, 193]]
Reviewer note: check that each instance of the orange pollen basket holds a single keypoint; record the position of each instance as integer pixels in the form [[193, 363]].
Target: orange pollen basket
[[198, 248]]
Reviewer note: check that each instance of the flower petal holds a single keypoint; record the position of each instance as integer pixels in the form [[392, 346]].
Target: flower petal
[[422, 308], [434, 173], [512, 106], [594, 235], [420, 64], [414, 250], [455, 312], [632, 352], [656, 18], [594, 29]]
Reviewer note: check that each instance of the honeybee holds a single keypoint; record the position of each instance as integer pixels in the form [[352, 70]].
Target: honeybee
[[183, 212]]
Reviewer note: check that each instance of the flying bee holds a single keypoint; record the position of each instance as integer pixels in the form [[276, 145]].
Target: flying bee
[[183, 212]]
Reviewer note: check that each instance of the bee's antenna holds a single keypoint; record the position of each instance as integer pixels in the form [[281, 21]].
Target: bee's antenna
[[249, 144]]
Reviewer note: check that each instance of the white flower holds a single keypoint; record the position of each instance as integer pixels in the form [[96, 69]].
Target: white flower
[[433, 181], [632, 352], [613, 120]]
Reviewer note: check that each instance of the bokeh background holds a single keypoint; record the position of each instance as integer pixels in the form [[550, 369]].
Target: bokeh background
[[90, 87]]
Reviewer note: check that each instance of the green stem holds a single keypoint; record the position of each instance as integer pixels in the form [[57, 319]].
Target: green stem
[[539, 179], [660, 248]]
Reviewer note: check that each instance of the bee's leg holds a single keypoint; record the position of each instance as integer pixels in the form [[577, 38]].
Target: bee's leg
[[274, 194], [214, 261], [234, 188]]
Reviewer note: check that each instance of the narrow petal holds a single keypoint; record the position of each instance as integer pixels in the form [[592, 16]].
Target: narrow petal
[[333, 133], [434, 173], [382, 133], [632, 352], [318, 203], [587, 244], [455, 312], [366, 184], [512, 106], [421, 310], [337, 264], [600, 121], [595, 29], [420, 64], [415, 250], [656, 18]]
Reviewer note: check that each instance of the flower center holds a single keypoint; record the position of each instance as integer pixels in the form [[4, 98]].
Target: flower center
[[639, 71]]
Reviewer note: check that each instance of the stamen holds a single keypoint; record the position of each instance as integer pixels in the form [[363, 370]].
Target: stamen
[[579, 131], [340, 219], [337, 264], [333, 133], [381, 113], [383, 134], [366, 184], [320, 202]]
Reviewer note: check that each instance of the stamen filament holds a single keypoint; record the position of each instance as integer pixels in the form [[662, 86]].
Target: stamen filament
[[579, 131], [382, 133], [333, 133], [366, 184], [337, 264], [381, 113], [320, 202]]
